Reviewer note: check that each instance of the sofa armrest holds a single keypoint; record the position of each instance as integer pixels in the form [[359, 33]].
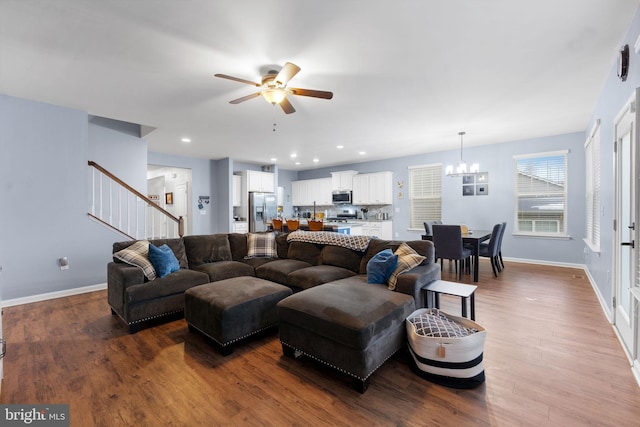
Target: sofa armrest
[[119, 277], [411, 282]]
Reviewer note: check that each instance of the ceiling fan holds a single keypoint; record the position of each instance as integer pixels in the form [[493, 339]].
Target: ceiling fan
[[275, 90]]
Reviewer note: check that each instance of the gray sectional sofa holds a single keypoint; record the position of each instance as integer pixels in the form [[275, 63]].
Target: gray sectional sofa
[[210, 258], [329, 311]]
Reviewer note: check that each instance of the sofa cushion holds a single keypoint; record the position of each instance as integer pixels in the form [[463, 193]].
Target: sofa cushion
[[174, 283], [238, 243], [163, 260], [407, 259], [422, 247], [256, 262], [282, 245], [341, 257], [309, 277], [278, 270], [380, 267], [221, 270], [137, 254], [303, 251], [207, 248], [261, 245], [177, 247]]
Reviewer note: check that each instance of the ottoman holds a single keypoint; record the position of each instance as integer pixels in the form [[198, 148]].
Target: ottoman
[[349, 324], [231, 309]]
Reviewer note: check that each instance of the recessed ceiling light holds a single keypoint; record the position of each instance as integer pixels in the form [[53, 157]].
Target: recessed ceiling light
[[186, 140], [273, 159], [294, 155], [362, 153], [316, 160], [297, 163], [339, 147]]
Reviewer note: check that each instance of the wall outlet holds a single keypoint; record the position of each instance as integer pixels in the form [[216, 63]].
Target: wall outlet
[[64, 263]]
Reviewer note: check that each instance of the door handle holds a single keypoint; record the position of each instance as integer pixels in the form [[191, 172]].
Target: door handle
[[631, 243], [632, 226]]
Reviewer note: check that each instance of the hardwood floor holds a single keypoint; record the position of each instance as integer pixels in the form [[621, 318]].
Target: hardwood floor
[[551, 358]]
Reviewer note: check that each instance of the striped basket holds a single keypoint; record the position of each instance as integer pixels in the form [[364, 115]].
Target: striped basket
[[446, 349]]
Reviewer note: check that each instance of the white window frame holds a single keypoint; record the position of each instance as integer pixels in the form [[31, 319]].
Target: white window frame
[[420, 193], [562, 232], [592, 181]]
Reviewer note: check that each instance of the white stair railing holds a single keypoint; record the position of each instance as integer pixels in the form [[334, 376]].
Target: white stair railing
[[125, 210]]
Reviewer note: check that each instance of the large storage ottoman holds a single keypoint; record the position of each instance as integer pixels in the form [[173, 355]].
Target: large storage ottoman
[[350, 325], [231, 309], [446, 349]]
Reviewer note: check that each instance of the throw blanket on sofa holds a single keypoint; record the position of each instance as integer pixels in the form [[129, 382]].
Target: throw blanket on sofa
[[357, 243]]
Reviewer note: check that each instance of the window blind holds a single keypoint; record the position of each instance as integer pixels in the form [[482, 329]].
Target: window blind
[[541, 193], [425, 190], [592, 169]]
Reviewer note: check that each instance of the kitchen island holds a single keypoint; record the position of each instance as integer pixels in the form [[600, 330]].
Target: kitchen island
[[382, 229]]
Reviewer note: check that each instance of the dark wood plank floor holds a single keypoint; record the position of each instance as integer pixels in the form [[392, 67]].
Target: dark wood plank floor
[[551, 358]]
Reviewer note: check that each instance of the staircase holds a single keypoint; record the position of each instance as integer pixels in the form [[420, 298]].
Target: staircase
[[126, 211]]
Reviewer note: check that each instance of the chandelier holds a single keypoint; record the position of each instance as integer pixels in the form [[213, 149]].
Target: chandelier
[[462, 165]]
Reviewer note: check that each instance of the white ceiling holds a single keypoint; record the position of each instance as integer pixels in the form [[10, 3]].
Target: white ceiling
[[407, 75]]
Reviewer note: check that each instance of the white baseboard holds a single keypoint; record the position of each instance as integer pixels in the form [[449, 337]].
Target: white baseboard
[[54, 295], [606, 308], [543, 262]]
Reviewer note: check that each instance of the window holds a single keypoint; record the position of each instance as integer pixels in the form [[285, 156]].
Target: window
[[592, 179], [425, 187], [541, 194]]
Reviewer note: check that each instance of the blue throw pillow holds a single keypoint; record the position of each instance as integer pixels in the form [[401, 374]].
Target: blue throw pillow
[[380, 267], [163, 260]]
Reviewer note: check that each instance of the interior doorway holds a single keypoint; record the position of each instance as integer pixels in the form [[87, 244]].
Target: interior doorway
[[175, 194]]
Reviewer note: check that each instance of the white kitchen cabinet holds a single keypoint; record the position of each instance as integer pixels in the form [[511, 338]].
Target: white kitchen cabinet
[[240, 227], [298, 193], [342, 180], [280, 196], [308, 191], [380, 229], [237, 190], [373, 188], [259, 181]]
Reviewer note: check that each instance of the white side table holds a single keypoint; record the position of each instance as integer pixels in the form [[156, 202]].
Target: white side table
[[465, 292]]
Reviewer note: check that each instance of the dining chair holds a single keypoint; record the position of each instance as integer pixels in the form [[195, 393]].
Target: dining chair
[[315, 224], [276, 224], [491, 250], [504, 227], [428, 226], [447, 240], [293, 224]]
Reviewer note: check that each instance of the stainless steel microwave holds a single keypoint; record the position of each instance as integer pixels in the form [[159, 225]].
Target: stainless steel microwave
[[341, 197]]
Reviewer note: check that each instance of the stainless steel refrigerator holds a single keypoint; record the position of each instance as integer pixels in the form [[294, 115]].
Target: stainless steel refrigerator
[[262, 207]]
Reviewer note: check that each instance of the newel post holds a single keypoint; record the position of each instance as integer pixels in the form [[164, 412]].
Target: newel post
[[181, 226]]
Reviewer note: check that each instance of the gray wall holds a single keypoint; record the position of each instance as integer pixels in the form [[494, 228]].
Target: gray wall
[[482, 212], [44, 193], [614, 95], [202, 185]]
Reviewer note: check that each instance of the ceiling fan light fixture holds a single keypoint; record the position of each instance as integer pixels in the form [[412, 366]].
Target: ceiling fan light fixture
[[273, 95]]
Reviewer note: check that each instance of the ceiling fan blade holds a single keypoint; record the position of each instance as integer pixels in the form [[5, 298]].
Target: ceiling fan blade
[[288, 71], [238, 79], [286, 106], [310, 92], [245, 98]]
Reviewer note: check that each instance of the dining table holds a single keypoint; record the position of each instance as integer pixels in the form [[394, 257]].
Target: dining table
[[471, 239]]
